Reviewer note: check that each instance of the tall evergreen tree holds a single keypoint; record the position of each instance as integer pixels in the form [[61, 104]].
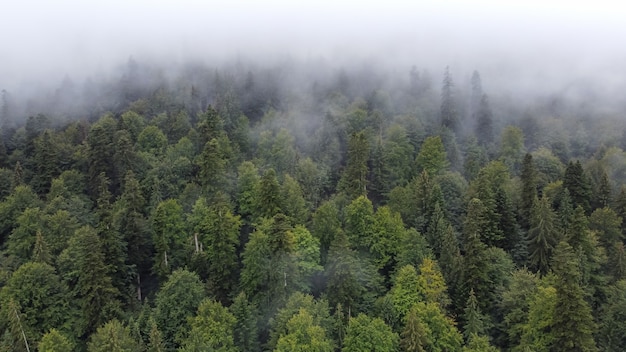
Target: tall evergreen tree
[[577, 183], [528, 190], [448, 111], [573, 326], [484, 122], [542, 236], [354, 177]]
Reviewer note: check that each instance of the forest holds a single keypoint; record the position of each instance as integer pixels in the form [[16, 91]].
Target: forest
[[289, 207]]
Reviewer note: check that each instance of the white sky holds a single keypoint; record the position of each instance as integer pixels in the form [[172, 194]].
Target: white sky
[[39, 37]]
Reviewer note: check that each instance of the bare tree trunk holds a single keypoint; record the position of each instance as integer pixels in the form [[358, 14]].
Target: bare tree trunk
[[23, 334], [195, 238]]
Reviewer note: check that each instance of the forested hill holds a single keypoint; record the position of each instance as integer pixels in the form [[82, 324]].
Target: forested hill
[[280, 209]]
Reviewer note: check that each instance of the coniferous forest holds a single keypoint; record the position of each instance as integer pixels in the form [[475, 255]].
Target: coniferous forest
[[282, 208]]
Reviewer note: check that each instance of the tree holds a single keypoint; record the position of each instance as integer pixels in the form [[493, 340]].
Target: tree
[[369, 334], [537, 334], [112, 337], [41, 297], [55, 341], [245, 329], [542, 235], [304, 335], [431, 285], [474, 319], [512, 147], [448, 111], [247, 187], [155, 338], [577, 183], [405, 291], [316, 310], [415, 335], [353, 180], [325, 226], [130, 221], [432, 156], [294, 205], [213, 163], [441, 332], [83, 267], [528, 191], [168, 237], [573, 325], [359, 222], [101, 149], [211, 329], [612, 329], [177, 300], [267, 201], [307, 256], [387, 232], [484, 122], [217, 229]]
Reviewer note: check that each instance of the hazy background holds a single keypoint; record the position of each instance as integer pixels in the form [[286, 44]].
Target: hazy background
[[516, 45]]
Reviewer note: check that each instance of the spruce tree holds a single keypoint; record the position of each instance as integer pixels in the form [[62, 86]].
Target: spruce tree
[[528, 191], [577, 183], [542, 236], [448, 111], [573, 325]]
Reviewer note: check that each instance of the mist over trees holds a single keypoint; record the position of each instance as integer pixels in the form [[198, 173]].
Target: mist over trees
[[288, 207]]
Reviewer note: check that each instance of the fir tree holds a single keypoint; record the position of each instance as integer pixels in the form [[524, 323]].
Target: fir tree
[[573, 326]]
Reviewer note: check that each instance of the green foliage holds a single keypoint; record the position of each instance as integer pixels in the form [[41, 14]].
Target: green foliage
[[55, 341], [577, 183], [369, 334], [536, 333], [217, 229], [440, 330], [112, 337], [316, 311], [325, 226], [612, 319], [41, 296], [542, 236], [432, 156], [573, 325], [359, 222], [304, 335], [152, 140], [83, 267], [176, 301], [211, 329], [512, 147], [168, 236], [245, 329], [353, 180]]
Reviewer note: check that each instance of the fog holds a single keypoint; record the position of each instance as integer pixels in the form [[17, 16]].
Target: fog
[[521, 48]]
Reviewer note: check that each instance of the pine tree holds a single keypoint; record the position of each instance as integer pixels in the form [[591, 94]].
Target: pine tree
[[268, 202], [542, 236], [449, 116], [474, 320], [245, 330], [573, 326], [93, 288], [354, 177], [577, 183], [484, 122], [528, 191], [414, 337]]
